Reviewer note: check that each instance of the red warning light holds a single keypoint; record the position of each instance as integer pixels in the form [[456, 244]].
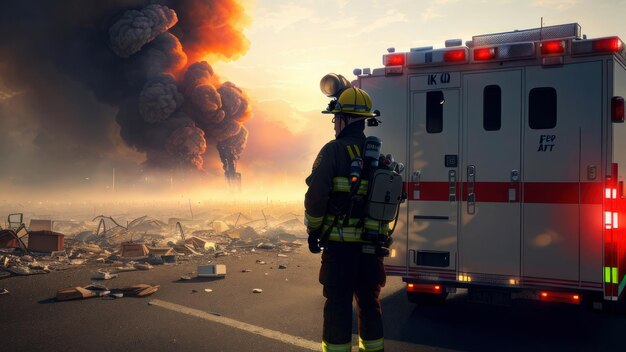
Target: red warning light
[[393, 59], [611, 45], [454, 55], [553, 47], [481, 54]]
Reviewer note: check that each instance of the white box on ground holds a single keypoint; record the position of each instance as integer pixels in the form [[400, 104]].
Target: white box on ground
[[212, 270]]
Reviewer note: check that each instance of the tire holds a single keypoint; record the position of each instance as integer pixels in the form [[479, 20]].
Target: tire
[[427, 299]]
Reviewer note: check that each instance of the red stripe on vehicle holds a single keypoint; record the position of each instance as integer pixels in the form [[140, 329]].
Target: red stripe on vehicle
[[498, 192]]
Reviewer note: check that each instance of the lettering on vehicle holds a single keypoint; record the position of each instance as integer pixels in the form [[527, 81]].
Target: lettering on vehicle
[[444, 78], [546, 142]]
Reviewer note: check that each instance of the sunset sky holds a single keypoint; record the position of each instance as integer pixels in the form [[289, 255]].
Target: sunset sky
[[294, 43]]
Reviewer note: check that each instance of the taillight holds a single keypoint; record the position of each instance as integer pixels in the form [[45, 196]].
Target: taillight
[[481, 54], [454, 55], [617, 109], [553, 47], [424, 288], [563, 297], [393, 59]]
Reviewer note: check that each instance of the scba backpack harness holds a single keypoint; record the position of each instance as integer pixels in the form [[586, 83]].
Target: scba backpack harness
[[374, 185]]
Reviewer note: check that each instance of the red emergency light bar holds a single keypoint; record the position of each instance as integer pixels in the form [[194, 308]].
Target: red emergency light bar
[[617, 109], [481, 54], [609, 45], [553, 47], [424, 288], [396, 59], [562, 297], [599, 46], [457, 55]]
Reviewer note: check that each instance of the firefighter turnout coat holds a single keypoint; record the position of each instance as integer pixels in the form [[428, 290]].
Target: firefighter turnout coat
[[347, 269]]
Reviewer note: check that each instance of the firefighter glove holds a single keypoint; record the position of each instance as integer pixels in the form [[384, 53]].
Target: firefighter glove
[[314, 240]]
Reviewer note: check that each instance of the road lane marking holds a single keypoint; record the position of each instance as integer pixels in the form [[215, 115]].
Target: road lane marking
[[275, 335]]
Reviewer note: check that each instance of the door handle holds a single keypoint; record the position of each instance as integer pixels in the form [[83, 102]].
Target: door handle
[[452, 186], [471, 196]]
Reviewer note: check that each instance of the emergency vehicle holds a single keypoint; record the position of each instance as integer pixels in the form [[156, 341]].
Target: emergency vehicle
[[515, 151]]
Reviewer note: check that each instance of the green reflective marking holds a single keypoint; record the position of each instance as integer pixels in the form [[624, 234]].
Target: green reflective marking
[[615, 276], [607, 274]]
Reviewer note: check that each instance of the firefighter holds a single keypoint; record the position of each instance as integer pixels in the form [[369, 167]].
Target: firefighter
[[351, 267]]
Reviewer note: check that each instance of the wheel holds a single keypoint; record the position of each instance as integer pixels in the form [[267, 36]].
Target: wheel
[[427, 299]]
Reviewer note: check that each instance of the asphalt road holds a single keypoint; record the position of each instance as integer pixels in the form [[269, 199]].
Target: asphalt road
[[289, 306]]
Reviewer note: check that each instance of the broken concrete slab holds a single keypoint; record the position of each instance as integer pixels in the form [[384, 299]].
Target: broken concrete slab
[[140, 290], [212, 270]]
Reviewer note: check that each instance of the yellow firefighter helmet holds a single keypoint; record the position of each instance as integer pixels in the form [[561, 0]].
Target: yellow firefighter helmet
[[352, 101]]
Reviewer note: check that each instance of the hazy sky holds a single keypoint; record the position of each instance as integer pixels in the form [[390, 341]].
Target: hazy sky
[[74, 137], [294, 43]]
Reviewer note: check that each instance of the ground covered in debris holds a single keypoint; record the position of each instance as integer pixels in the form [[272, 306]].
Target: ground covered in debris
[[289, 296], [125, 242]]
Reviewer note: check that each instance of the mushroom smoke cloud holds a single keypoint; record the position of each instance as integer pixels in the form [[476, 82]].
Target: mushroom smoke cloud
[[145, 59]]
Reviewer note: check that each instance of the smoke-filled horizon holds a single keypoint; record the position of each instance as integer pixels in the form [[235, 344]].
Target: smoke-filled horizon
[[99, 84]]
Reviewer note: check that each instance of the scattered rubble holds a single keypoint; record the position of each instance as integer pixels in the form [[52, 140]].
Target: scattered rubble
[[73, 293], [105, 244], [282, 266], [103, 275], [143, 266]]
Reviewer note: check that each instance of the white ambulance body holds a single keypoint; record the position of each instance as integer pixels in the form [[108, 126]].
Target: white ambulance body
[[514, 160]]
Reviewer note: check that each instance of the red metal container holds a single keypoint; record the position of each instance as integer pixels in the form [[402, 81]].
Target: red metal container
[[45, 241]]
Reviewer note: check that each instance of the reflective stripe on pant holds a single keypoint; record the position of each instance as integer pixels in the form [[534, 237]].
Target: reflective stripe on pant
[[331, 347], [371, 345], [346, 272]]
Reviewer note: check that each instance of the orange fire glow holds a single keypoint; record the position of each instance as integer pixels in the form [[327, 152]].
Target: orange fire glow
[[218, 30]]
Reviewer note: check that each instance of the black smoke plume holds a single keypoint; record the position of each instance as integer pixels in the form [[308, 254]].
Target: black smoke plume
[[134, 57]]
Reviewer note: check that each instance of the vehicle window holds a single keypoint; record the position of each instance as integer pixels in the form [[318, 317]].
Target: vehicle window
[[434, 111], [492, 108], [542, 108]]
